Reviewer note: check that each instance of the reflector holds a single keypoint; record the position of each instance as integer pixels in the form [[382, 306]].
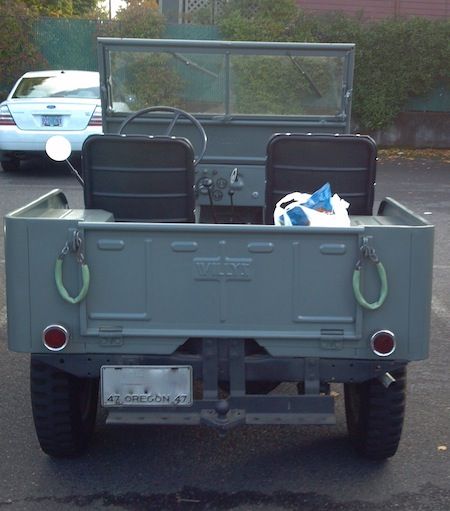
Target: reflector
[[55, 337], [383, 343]]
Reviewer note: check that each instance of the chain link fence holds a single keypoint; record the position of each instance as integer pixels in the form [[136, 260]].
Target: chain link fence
[[72, 43]]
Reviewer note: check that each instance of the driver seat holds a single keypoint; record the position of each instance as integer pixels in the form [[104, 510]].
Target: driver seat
[[140, 178]]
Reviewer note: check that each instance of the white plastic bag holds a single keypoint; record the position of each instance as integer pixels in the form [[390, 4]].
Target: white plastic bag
[[292, 210]]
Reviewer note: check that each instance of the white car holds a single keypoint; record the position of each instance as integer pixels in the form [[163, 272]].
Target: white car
[[46, 103]]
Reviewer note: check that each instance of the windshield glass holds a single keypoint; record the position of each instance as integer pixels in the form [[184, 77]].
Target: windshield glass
[[286, 85], [234, 84], [63, 85]]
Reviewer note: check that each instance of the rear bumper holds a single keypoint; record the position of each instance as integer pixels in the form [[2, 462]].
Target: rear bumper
[[242, 368], [224, 399], [225, 414]]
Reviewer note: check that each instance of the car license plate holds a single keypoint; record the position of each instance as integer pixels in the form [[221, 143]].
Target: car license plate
[[132, 386], [52, 121]]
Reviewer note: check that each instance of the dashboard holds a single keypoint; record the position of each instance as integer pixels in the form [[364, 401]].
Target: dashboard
[[227, 185]]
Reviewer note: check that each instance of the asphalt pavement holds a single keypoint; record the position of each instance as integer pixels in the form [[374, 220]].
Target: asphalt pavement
[[251, 468]]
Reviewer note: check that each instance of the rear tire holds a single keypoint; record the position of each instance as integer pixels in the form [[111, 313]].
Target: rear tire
[[64, 409], [12, 165], [375, 415]]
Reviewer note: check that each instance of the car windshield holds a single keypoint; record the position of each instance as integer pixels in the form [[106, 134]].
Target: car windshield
[[63, 85], [220, 83]]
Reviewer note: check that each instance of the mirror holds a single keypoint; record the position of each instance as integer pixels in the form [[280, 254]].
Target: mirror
[[58, 148]]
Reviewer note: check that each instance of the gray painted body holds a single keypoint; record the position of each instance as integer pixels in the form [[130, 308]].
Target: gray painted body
[[154, 286], [237, 301]]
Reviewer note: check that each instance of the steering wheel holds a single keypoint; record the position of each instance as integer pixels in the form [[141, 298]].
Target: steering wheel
[[176, 114]]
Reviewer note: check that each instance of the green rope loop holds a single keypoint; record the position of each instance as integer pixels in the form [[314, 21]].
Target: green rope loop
[[60, 285], [383, 289]]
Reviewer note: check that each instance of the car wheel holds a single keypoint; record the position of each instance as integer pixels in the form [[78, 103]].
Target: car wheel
[[375, 415], [64, 409], [11, 165]]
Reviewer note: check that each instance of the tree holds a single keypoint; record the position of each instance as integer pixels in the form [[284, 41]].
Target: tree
[[62, 8], [18, 52], [150, 4], [51, 7], [84, 7], [261, 20], [90, 9], [147, 78], [140, 18]]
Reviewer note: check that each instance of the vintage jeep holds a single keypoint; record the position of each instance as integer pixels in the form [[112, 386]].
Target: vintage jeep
[[173, 292]]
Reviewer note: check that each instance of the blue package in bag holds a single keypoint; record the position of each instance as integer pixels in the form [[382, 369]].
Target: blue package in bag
[[297, 216], [321, 209], [320, 200]]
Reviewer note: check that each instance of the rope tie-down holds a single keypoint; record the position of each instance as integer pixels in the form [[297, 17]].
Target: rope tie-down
[[369, 252], [75, 246]]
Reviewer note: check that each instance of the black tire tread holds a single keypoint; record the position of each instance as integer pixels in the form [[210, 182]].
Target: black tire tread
[[60, 427], [375, 430]]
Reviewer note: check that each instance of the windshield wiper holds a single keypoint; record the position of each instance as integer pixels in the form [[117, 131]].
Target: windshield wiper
[[306, 75], [195, 65]]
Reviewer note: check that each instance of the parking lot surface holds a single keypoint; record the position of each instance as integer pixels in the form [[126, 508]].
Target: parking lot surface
[[276, 468]]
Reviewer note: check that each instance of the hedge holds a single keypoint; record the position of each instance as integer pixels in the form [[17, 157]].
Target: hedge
[[396, 59]]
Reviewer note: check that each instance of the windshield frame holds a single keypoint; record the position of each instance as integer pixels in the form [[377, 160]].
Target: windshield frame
[[231, 48]]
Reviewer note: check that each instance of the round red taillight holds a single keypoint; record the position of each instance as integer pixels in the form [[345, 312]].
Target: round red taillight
[[55, 337], [383, 343]]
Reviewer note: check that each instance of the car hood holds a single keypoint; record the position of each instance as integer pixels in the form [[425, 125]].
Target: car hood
[[62, 114]]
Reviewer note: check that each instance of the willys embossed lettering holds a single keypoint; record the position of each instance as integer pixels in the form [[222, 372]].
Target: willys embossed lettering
[[215, 268]]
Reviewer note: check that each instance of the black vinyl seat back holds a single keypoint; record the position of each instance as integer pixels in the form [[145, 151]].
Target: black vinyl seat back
[[303, 163], [139, 178]]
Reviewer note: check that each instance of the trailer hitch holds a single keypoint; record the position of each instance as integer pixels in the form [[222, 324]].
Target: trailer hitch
[[222, 417]]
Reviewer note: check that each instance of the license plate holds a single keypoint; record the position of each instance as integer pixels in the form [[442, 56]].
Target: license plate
[[138, 386], [52, 121]]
